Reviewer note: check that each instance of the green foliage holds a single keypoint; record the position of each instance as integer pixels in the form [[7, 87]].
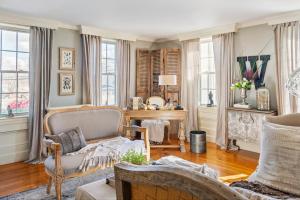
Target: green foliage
[[243, 84], [137, 158]]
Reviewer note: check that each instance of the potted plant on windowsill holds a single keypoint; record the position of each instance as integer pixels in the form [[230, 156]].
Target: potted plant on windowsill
[[244, 85]]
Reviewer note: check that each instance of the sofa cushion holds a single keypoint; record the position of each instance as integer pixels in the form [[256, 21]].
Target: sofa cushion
[[95, 123], [280, 158], [71, 140], [69, 164]]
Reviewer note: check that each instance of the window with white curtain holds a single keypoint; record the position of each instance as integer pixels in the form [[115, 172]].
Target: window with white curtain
[[14, 70], [207, 71], [108, 74]]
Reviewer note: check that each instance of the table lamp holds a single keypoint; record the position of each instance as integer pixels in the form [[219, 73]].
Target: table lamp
[[166, 80]]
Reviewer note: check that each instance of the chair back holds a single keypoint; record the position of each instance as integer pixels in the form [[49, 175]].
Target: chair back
[[156, 100], [286, 120], [166, 182], [96, 122]]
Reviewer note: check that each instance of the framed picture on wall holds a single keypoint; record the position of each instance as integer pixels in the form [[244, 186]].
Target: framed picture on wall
[[66, 58], [66, 83]]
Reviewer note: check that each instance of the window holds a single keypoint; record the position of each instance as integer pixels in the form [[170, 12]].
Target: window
[[207, 71], [108, 74], [14, 71]]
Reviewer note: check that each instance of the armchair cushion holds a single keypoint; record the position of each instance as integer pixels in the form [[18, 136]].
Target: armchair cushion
[[71, 140], [70, 164]]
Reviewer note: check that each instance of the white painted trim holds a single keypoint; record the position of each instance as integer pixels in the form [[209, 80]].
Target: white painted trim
[[207, 32], [283, 18]]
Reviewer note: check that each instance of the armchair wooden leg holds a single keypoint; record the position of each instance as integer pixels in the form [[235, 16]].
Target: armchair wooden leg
[[49, 185], [168, 133], [58, 183]]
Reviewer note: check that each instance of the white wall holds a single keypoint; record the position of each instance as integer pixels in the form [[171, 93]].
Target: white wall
[[69, 39], [250, 42]]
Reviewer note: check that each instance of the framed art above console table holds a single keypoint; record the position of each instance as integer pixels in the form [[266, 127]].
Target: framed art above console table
[[245, 126]]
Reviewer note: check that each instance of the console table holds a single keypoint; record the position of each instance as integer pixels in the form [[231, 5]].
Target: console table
[[245, 124], [179, 115]]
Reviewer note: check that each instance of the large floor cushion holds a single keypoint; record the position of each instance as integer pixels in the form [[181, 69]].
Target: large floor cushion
[[98, 190], [69, 164]]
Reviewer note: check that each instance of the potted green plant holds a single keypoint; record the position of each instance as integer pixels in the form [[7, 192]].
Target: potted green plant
[[244, 85], [135, 158]]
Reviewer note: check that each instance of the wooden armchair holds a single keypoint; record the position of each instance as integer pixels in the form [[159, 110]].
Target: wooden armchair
[[96, 123], [161, 182]]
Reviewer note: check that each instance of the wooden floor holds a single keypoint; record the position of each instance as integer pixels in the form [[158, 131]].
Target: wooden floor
[[19, 177]]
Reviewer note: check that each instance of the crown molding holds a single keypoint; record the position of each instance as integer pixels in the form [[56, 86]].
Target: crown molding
[[284, 17], [207, 32]]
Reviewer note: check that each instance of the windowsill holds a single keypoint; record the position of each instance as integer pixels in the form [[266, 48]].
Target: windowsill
[[203, 108], [16, 117]]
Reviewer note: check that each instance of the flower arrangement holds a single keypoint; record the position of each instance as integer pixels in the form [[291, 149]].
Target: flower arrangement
[[243, 84], [137, 158]]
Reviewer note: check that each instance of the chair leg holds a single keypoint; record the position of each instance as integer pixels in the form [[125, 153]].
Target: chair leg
[[58, 183], [49, 185], [168, 133]]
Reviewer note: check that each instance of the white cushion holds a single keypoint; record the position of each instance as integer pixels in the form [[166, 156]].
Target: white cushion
[[279, 162]]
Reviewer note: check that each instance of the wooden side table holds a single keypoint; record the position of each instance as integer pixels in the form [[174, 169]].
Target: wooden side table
[[179, 115]]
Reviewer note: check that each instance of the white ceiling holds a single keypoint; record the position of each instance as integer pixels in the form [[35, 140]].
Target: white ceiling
[[150, 18]]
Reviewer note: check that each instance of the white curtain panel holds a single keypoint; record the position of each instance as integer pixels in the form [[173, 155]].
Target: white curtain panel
[[190, 82], [91, 63], [41, 40], [123, 72], [287, 47], [223, 45]]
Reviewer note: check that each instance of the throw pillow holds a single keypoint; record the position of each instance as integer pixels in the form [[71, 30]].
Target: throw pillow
[[70, 141], [279, 158]]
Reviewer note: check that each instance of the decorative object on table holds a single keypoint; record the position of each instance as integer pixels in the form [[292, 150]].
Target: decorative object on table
[[254, 73], [167, 80], [178, 107], [10, 112], [210, 99], [66, 83], [198, 141], [136, 103], [263, 98], [66, 58], [244, 85], [133, 157], [293, 83]]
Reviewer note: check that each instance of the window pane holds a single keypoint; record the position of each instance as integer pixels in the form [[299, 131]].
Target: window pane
[[104, 90], [204, 50], [103, 50], [110, 66], [23, 61], [204, 65], [111, 50], [204, 81], [8, 99], [211, 64], [23, 42], [8, 60], [9, 83], [204, 97], [210, 49], [212, 81], [23, 82], [111, 90], [23, 103], [103, 65], [9, 40]]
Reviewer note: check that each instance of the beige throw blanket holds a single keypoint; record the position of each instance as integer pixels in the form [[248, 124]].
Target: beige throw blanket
[[108, 152]]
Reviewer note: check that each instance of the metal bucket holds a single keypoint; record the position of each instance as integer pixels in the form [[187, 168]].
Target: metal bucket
[[198, 141]]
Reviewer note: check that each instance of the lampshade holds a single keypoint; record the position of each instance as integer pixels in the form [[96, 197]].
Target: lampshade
[[293, 83], [167, 80]]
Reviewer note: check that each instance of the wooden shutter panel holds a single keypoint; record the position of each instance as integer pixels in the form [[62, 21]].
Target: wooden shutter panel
[[143, 58], [156, 70], [172, 66]]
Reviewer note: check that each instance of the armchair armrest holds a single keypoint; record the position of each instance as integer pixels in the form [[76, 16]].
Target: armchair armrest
[[54, 149], [144, 131]]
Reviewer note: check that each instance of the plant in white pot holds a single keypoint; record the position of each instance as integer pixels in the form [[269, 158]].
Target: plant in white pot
[[244, 85], [135, 158]]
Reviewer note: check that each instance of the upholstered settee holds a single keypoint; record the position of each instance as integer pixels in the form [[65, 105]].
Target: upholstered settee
[[96, 123]]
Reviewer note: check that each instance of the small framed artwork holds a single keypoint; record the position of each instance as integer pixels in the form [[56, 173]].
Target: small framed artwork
[[66, 83], [66, 58]]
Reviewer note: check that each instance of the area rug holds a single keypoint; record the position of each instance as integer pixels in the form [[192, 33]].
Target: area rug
[[68, 188]]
